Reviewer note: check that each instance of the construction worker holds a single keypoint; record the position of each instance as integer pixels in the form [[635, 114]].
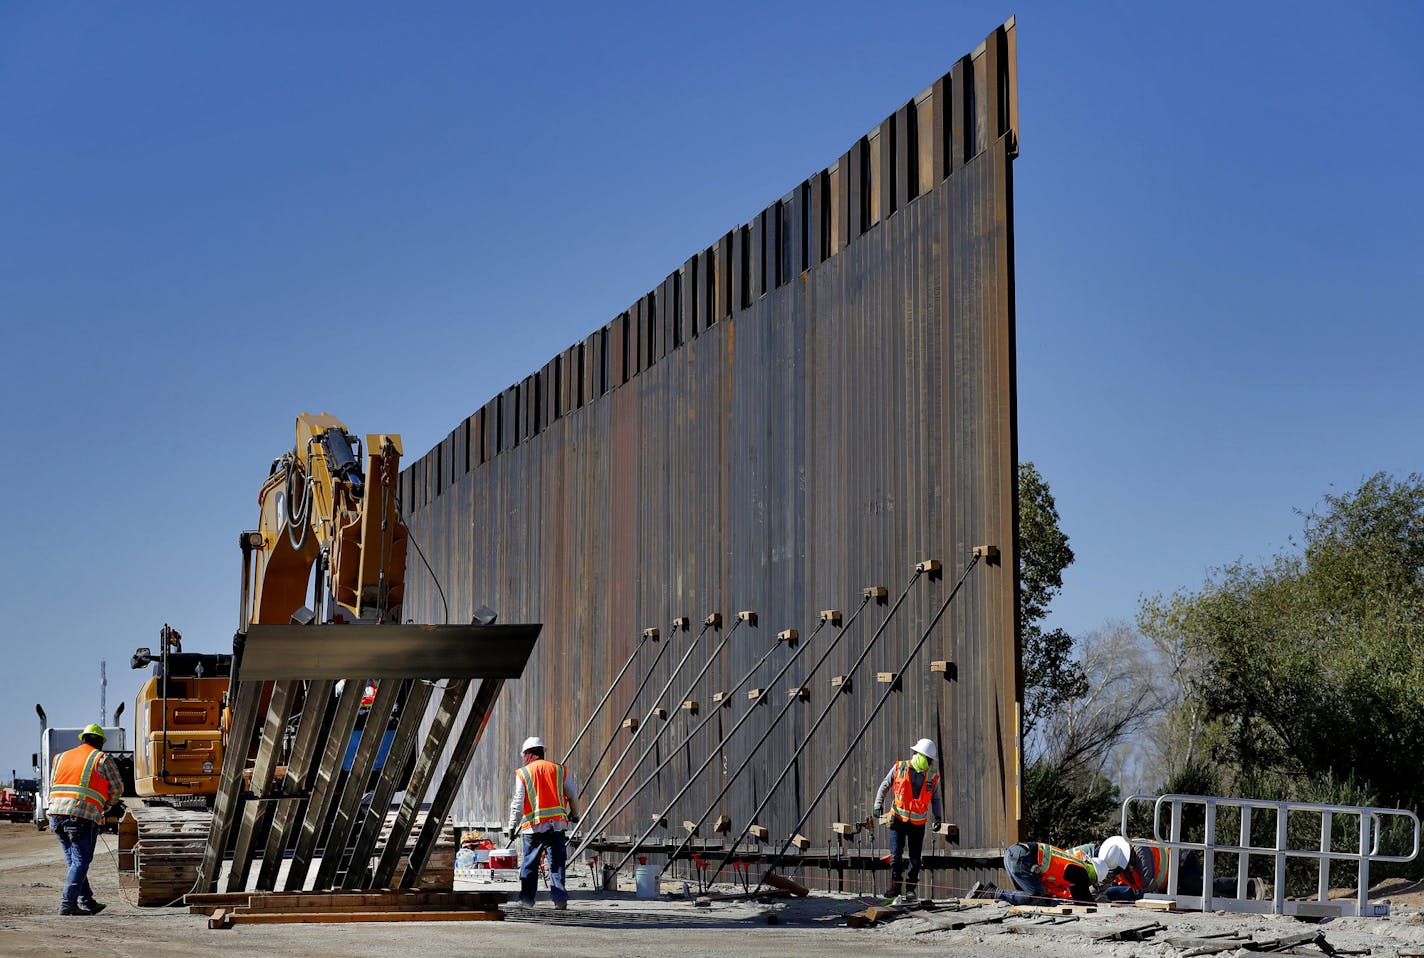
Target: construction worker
[[1042, 872], [84, 782], [914, 791], [540, 810], [1148, 869]]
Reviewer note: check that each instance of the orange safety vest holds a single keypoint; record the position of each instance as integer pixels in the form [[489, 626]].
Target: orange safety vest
[[908, 806], [76, 775], [543, 794], [1053, 862]]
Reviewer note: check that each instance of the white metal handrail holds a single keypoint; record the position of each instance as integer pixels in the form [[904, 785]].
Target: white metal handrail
[[1370, 822]]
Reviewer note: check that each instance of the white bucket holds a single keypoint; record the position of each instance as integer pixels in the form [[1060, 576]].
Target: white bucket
[[646, 878]]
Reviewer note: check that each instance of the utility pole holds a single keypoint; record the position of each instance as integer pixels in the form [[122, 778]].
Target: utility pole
[[103, 691]]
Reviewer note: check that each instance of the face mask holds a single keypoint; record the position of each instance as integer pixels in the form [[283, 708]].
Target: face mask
[[919, 763]]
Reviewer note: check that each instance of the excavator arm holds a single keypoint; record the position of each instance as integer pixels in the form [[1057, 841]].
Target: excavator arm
[[331, 501]]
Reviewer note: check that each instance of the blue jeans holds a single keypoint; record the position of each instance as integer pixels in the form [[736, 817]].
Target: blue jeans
[[1020, 861], [77, 837], [536, 844], [905, 837]]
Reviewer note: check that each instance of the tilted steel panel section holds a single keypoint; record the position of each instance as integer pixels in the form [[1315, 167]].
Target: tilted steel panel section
[[333, 771], [816, 401], [386, 651]]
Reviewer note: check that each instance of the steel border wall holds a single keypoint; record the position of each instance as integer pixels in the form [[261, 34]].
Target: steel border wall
[[810, 405]]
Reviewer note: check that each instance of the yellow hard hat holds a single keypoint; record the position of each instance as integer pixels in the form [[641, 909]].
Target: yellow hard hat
[[92, 729]]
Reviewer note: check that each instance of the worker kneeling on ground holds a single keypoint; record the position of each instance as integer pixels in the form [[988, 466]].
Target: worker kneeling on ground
[[1042, 873], [84, 782], [914, 791], [542, 806], [1147, 872]]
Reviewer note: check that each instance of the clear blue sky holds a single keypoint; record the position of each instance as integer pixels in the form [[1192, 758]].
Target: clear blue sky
[[215, 217]]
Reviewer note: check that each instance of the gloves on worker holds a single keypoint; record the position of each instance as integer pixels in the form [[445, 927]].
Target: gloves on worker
[[934, 827], [877, 811]]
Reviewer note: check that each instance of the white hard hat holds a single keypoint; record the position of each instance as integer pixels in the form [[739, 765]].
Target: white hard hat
[[1113, 855], [926, 748], [532, 741]]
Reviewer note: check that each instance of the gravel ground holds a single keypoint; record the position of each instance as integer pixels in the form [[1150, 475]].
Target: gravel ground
[[619, 924]]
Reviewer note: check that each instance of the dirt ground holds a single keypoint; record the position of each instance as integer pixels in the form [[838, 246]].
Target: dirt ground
[[619, 924]]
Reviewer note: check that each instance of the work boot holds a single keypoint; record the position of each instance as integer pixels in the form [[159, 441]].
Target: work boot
[[91, 907], [906, 900], [71, 910], [982, 890]]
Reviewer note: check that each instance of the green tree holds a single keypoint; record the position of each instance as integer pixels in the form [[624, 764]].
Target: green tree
[[1309, 668], [1051, 675], [1067, 798]]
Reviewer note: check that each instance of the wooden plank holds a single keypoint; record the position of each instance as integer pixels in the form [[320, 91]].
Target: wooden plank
[[873, 915], [312, 918]]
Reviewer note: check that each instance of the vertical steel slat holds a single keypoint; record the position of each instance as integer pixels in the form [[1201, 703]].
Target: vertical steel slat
[[469, 737], [244, 721], [343, 723], [420, 778], [264, 770], [299, 769], [373, 818], [362, 765]]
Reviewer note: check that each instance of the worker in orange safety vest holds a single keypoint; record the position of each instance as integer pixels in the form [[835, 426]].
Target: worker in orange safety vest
[[84, 782], [1149, 868], [915, 793], [1042, 872], [540, 810]]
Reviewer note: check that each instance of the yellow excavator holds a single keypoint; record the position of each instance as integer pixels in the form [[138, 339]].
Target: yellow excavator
[[330, 547]]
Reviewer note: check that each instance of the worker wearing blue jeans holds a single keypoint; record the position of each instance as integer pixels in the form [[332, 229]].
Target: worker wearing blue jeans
[[540, 809], [77, 836]]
